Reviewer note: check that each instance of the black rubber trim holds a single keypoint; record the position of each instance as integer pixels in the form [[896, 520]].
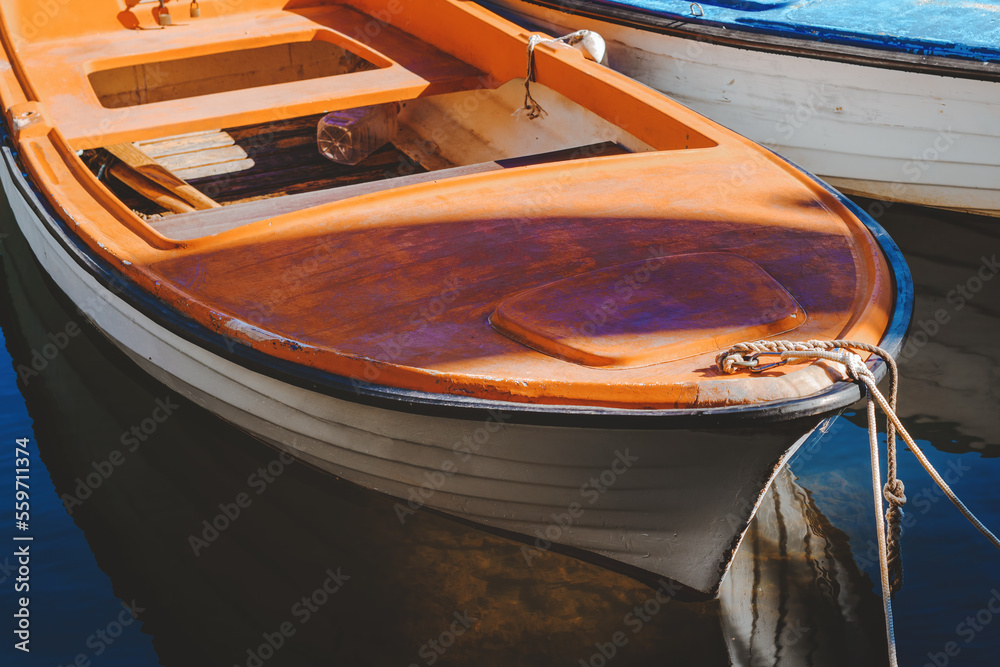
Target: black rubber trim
[[761, 39], [834, 398]]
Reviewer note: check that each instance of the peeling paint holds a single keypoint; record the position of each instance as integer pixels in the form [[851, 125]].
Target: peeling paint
[[250, 331]]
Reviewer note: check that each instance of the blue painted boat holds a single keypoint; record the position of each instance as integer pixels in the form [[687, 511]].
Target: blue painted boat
[[898, 101], [964, 30]]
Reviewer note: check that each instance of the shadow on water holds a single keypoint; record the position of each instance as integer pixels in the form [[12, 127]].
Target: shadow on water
[[145, 473]]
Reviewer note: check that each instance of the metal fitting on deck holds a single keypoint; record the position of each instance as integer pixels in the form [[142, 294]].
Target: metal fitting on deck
[[163, 15]]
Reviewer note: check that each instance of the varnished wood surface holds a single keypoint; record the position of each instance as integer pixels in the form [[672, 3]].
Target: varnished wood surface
[[149, 191], [409, 280]]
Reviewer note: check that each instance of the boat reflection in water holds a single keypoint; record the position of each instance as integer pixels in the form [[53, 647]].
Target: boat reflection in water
[[240, 557], [794, 595]]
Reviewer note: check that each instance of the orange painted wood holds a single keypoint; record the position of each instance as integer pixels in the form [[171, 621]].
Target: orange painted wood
[[407, 68], [409, 278]]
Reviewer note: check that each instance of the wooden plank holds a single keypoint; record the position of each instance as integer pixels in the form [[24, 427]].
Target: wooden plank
[[310, 159], [417, 149], [149, 189], [575, 153], [217, 169], [201, 223], [135, 159], [303, 169], [304, 124], [302, 177], [202, 158], [282, 143], [183, 145]]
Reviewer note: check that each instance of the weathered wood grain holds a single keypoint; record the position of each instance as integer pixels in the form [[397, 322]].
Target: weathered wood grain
[[135, 159]]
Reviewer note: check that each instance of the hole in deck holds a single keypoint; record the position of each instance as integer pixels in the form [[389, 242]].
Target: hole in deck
[[181, 78]]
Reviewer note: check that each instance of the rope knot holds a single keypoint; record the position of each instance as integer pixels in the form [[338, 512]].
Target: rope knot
[[531, 105], [894, 492], [727, 362], [856, 368], [743, 356]]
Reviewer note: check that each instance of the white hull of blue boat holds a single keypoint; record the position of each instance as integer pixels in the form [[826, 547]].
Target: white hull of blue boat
[[886, 133]]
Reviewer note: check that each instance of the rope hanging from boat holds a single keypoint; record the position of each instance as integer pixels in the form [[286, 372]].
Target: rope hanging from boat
[[746, 356], [533, 108], [531, 105]]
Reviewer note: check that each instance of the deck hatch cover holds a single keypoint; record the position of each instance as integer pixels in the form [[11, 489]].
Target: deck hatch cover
[[652, 311]]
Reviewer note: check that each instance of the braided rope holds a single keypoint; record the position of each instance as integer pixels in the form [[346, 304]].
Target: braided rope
[[890, 559], [531, 105]]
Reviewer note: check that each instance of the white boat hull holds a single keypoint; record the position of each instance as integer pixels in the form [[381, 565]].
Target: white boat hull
[[889, 134], [665, 503]]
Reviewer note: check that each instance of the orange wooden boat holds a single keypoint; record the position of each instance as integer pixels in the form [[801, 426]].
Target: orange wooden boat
[[509, 319]]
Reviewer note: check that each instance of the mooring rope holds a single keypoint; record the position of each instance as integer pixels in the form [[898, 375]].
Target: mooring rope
[[746, 356], [531, 105]]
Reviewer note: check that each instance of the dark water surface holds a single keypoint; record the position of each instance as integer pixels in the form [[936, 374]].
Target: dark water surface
[[148, 468]]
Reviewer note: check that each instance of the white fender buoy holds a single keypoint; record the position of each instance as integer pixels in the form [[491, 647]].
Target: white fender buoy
[[592, 45]]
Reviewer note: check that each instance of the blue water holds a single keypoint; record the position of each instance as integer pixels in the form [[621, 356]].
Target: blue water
[[224, 601], [71, 598]]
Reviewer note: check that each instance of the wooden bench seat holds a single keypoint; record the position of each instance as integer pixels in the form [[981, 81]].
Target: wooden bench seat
[[186, 226], [406, 68]]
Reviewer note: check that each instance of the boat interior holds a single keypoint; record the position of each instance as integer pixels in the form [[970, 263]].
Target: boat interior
[[219, 111], [260, 171]]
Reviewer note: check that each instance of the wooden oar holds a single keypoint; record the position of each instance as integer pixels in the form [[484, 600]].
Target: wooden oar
[[149, 189], [146, 166]]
